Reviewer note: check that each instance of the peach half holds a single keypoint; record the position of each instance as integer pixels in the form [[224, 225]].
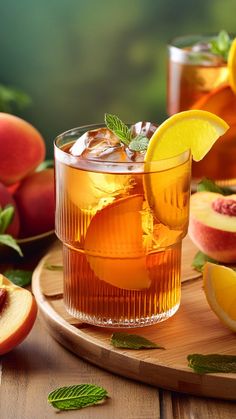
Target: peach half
[[212, 225], [18, 312]]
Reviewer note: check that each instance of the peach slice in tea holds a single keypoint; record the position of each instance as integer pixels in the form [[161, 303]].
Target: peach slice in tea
[[114, 246]]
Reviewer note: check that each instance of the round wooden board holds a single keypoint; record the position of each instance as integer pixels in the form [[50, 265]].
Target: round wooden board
[[193, 329]]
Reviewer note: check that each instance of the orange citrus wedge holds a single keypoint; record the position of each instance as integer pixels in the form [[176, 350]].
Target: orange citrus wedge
[[114, 247], [220, 290], [196, 130], [232, 66]]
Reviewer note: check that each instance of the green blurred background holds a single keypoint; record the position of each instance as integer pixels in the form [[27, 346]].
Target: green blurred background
[[78, 59]]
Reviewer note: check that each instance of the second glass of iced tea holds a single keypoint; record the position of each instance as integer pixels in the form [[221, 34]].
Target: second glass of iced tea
[[121, 222], [194, 73]]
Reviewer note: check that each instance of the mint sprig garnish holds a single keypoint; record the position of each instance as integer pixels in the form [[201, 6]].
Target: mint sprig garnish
[[77, 396], [118, 128], [212, 363], [130, 341], [139, 143], [123, 132], [221, 45]]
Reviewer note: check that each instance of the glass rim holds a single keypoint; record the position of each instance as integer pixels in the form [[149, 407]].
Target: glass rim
[[174, 42], [169, 162]]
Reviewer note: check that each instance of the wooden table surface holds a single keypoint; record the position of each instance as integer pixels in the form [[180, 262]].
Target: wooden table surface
[[39, 365]]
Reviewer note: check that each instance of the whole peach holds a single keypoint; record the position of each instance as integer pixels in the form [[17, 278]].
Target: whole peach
[[6, 199], [22, 148], [35, 202]]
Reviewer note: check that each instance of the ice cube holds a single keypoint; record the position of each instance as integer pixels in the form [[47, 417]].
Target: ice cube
[[144, 128], [97, 144], [201, 47], [201, 52], [103, 144]]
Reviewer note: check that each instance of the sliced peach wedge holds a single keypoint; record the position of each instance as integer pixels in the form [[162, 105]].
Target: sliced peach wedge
[[18, 312], [220, 101], [113, 244]]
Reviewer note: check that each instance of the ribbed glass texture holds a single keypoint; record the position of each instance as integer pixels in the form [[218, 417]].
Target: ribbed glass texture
[[121, 226]]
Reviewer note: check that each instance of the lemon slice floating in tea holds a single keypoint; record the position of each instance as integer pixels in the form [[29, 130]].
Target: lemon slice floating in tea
[[220, 290], [167, 187], [232, 66], [113, 244]]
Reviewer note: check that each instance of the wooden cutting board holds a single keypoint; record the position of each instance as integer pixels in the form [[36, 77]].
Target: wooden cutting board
[[193, 329]]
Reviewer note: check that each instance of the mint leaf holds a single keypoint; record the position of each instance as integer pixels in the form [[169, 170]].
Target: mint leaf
[[8, 240], [203, 364], [45, 165], [130, 341], [6, 217], [139, 143], [11, 98], [77, 396], [210, 186], [53, 267], [19, 277], [118, 128], [221, 45], [200, 259]]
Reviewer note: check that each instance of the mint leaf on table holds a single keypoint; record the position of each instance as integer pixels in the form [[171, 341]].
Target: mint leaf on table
[[209, 185], [130, 341], [139, 143], [200, 259], [221, 45], [19, 277], [212, 363], [118, 128], [77, 396], [8, 240]]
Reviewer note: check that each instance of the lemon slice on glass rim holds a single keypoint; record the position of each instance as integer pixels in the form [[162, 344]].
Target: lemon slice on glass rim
[[232, 66], [166, 188], [220, 290], [196, 130]]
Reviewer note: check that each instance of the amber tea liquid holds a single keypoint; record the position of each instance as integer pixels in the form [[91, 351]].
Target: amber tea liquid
[[121, 229], [193, 72]]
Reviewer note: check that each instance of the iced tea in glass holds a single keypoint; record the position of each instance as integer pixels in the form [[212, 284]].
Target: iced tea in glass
[[121, 222], [194, 72]]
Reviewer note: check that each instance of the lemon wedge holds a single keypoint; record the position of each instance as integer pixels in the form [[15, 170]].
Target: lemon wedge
[[168, 166], [220, 290], [196, 130], [232, 66]]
